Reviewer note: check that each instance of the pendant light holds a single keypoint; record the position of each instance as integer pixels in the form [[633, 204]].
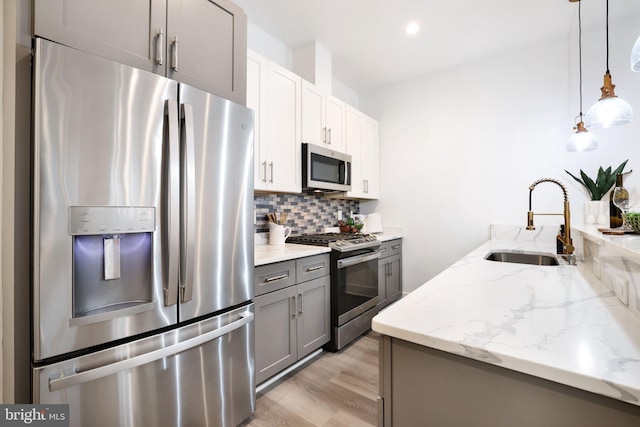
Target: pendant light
[[582, 140], [609, 110], [635, 56]]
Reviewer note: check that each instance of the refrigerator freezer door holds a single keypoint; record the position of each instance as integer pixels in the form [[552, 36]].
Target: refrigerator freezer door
[[101, 142], [198, 375], [217, 205]]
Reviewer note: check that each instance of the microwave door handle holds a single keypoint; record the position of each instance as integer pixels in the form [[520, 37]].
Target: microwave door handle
[[188, 205], [72, 379], [171, 223], [346, 173]]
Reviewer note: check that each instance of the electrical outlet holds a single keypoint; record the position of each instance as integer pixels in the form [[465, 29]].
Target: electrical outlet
[[339, 215], [597, 267], [621, 288]]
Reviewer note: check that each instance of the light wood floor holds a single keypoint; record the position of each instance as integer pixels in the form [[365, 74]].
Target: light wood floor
[[334, 389]]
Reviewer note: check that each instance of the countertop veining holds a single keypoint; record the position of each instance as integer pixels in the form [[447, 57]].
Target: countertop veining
[[555, 322]]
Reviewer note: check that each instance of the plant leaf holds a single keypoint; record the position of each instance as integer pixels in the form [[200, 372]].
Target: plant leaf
[[576, 178], [591, 186], [612, 178], [620, 168]]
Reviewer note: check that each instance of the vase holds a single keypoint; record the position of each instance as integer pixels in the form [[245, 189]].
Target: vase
[[596, 212], [602, 217], [590, 212]]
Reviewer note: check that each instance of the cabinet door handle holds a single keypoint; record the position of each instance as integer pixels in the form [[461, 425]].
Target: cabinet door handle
[[174, 61], [329, 132], [278, 277], [395, 247], [301, 303], [264, 165], [295, 306], [271, 166], [315, 268], [388, 267], [391, 269], [324, 134], [159, 48]]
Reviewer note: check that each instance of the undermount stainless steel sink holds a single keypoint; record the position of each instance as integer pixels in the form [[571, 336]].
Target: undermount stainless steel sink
[[522, 258]]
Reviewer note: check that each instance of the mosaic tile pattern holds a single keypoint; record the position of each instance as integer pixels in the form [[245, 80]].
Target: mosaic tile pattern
[[307, 213]]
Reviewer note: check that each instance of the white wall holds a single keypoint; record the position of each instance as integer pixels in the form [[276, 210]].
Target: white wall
[[459, 148]]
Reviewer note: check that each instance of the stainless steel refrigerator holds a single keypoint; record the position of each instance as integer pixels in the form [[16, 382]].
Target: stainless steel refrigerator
[[142, 246]]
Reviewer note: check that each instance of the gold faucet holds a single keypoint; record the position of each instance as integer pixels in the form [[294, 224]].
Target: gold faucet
[[563, 237]]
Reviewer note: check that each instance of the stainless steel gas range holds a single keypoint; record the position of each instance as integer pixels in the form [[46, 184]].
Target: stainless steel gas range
[[354, 282]]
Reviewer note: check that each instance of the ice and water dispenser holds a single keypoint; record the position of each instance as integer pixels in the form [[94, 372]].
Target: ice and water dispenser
[[112, 260]]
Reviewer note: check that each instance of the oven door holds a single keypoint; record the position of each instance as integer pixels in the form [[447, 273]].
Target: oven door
[[356, 283]]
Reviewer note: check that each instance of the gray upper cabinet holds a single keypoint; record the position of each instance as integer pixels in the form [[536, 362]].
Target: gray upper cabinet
[[199, 42]]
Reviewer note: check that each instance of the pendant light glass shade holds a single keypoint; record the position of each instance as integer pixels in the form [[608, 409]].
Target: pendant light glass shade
[[582, 140], [609, 110], [635, 56]]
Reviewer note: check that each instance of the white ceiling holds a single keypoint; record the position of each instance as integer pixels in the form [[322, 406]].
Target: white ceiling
[[370, 48]]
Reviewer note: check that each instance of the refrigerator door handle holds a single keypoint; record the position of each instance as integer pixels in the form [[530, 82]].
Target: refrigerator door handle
[[72, 379], [188, 204], [172, 222]]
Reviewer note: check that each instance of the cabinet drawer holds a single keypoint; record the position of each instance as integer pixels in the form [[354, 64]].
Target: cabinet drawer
[[312, 267], [384, 249], [395, 247], [271, 277]]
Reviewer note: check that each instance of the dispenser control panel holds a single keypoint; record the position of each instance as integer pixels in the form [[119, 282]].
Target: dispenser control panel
[[91, 220]]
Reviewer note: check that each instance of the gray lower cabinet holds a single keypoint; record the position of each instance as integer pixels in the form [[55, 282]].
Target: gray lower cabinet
[[422, 386], [199, 42], [390, 272], [291, 317]]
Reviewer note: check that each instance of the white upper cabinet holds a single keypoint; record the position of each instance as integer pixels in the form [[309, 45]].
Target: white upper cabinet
[[323, 118], [362, 144], [335, 114], [199, 42], [289, 110], [274, 93]]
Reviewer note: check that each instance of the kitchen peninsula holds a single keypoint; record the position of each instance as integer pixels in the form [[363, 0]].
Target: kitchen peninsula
[[495, 344]]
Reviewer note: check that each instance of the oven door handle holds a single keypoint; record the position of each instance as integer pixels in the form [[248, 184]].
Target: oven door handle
[[347, 262]]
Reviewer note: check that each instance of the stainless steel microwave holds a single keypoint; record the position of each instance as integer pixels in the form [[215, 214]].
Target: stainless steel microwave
[[324, 169]]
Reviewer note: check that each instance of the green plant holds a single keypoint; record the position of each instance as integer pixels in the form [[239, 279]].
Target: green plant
[[603, 183]]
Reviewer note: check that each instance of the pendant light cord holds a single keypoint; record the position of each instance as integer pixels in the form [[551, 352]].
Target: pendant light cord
[[580, 52], [608, 37]]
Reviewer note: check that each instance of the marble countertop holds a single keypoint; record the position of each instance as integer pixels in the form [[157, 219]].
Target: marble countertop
[[267, 254], [627, 245], [390, 233], [554, 322]]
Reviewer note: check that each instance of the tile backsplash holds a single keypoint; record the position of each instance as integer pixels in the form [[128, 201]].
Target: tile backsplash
[[307, 213]]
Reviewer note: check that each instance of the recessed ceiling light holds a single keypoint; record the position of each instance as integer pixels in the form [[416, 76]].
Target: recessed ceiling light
[[412, 28]]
